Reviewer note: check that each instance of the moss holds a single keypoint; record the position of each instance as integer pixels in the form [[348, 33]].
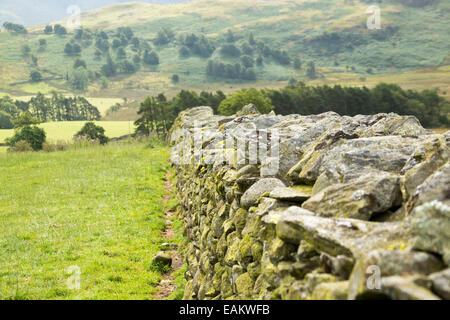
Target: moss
[[244, 285]]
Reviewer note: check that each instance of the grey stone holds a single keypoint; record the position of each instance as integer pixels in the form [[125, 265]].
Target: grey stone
[[441, 283], [361, 198], [294, 194], [261, 187], [162, 258]]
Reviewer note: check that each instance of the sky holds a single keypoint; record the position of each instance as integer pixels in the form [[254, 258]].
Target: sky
[[33, 12]]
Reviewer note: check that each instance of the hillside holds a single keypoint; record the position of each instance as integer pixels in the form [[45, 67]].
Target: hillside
[[196, 41]]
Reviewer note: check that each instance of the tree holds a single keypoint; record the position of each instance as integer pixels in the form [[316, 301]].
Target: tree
[[230, 50], [25, 119], [311, 70], [42, 42], [68, 49], [247, 61], [34, 60], [116, 43], [297, 63], [76, 49], [238, 100], [60, 30], [48, 29], [109, 69], [5, 120], [230, 36], [184, 52], [16, 28], [34, 135], [259, 61], [136, 59], [26, 50], [92, 132], [79, 63], [151, 58], [121, 54], [79, 79], [175, 78], [251, 39], [35, 76], [127, 67]]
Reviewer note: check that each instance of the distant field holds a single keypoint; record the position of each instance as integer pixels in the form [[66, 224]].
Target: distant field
[[66, 129], [98, 210]]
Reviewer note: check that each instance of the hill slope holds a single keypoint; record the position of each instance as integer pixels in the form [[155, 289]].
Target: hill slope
[[333, 34]]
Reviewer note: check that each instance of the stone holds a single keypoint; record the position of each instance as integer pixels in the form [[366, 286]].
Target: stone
[[405, 288], [249, 109], [361, 198], [297, 291], [244, 285], [431, 224], [385, 263], [162, 258], [249, 169], [330, 291], [341, 236], [435, 187], [294, 194], [340, 266], [441, 283], [313, 279], [261, 187], [426, 159]]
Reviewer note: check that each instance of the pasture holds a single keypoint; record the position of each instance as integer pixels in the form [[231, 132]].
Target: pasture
[[65, 130], [96, 210]]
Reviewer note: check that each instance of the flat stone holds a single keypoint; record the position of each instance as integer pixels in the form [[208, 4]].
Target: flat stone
[[405, 288], [330, 291], [361, 198], [295, 194], [341, 236], [441, 283], [261, 187]]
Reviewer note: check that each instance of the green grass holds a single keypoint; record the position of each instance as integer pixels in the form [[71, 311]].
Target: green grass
[[65, 130], [98, 209]]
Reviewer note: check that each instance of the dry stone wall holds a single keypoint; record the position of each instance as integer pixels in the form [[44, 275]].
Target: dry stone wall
[[356, 208]]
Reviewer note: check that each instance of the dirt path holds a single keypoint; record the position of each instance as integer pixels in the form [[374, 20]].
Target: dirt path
[[167, 285]]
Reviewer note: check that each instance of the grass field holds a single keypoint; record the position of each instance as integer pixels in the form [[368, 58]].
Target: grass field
[[65, 130], [97, 209]]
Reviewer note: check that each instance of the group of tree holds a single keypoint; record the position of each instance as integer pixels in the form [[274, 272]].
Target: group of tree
[[156, 114], [192, 44], [54, 108], [431, 109], [219, 69], [15, 28], [164, 36], [27, 135], [57, 29]]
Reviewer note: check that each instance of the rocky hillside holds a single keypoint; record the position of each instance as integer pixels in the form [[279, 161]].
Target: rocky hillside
[[329, 207]]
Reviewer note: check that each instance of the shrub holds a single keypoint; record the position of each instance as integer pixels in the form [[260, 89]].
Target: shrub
[[238, 100], [92, 132], [21, 146], [34, 135], [5, 120]]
